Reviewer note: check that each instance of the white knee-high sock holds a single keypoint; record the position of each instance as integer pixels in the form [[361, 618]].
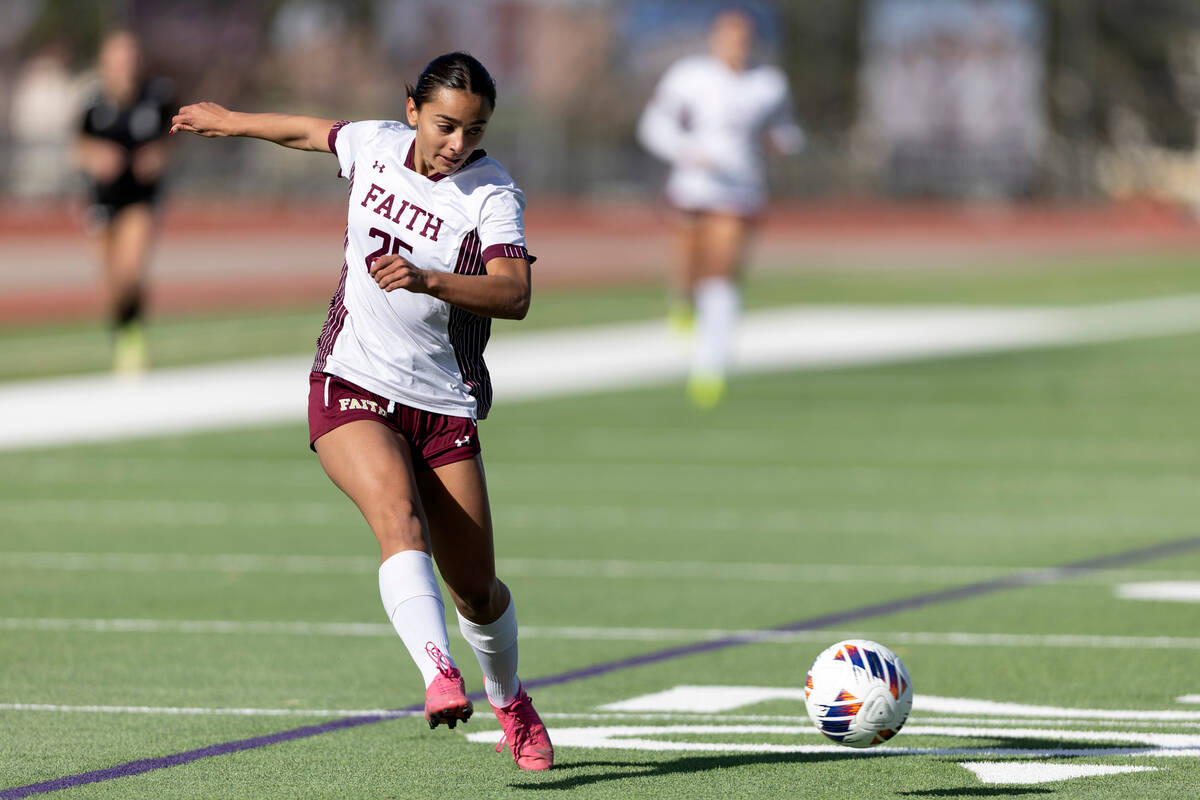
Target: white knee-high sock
[[413, 603], [716, 325], [495, 646]]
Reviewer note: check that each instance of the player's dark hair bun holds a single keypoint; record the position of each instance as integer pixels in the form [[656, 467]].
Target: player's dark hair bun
[[456, 70]]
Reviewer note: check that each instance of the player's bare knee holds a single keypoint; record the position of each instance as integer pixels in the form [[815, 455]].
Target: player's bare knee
[[398, 526], [473, 603], [481, 600]]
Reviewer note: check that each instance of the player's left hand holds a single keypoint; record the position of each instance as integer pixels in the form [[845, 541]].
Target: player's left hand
[[206, 119], [396, 272]]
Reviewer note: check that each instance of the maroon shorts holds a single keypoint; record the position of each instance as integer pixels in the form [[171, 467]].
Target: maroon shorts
[[434, 439]]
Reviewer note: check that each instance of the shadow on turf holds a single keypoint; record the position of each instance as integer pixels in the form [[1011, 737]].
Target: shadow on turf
[[619, 770], [976, 791], [601, 771]]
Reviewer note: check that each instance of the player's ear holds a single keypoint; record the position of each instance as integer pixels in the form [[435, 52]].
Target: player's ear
[[410, 111]]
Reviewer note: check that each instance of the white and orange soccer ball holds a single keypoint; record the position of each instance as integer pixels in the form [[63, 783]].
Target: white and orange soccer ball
[[858, 693]]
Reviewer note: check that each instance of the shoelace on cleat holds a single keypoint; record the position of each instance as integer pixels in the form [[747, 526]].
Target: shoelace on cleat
[[518, 724], [444, 664], [445, 684]]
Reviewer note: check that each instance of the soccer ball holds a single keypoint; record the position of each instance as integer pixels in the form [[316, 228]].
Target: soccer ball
[[858, 693]]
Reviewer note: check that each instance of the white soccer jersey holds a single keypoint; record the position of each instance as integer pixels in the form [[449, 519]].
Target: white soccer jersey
[[414, 348], [708, 121]]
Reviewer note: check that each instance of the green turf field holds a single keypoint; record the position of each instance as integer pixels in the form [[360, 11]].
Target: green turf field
[[81, 347], [183, 577]]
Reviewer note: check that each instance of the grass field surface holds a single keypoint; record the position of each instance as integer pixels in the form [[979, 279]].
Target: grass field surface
[[71, 348], [166, 595]]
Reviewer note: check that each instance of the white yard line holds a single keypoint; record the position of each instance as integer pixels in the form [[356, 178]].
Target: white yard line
[[188, 562], [599, 517], [1061, 717], [916, 719], [1160, 591], [584, 716], [1121, 743], [210, 626], [572, 361], [629, 737], [1026, 772], [604, 569], [657, 732], [208, 712], [715, 699], [992, 708], [599, 634]]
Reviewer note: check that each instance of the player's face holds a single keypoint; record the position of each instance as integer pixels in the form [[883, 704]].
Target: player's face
[[449, 126], [119, 62], [732, 39]]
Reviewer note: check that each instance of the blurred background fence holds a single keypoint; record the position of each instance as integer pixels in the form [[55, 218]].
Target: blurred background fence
[[1066, 100]]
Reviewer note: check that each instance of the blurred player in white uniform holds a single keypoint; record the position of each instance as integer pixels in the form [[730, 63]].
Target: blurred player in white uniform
[[709, 118], [434, 248]]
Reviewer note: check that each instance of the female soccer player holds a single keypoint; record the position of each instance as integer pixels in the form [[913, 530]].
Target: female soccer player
[[708, 118], [435, 247], [121, 149]]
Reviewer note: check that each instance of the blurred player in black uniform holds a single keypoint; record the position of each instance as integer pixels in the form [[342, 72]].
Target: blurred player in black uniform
[[121, 149]]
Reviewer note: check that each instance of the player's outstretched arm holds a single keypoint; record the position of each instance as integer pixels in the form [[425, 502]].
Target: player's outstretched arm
[[290, 130]]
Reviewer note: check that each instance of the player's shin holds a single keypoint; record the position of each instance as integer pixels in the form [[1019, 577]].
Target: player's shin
[[495, 647], [716, 326], [413, 602], [716, 321]]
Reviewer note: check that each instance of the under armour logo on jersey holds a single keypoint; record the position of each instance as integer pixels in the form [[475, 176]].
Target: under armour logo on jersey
[[465, 440], [377, 167]]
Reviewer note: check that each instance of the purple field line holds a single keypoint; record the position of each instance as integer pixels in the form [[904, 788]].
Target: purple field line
[[1033, 577], [186, 757]]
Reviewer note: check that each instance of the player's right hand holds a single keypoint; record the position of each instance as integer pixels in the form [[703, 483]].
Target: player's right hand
[[204, 119], [397, 272]]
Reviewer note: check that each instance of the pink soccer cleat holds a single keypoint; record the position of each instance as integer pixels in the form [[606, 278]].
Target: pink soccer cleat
[[525, 734], [446, 698]]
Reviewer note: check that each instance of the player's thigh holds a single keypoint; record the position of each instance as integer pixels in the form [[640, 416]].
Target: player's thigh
[[371, 463], [131, 233], [725, 238], [689, 241], [455, 500]]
